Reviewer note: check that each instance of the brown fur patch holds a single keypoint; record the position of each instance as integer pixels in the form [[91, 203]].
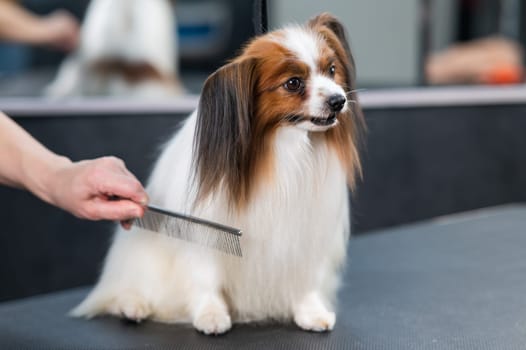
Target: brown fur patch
[[132, 72]]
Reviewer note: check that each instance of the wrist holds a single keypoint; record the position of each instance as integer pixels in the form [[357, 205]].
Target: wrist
[[46, 182]]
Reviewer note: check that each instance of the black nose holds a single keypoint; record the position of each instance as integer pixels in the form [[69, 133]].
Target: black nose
[[336, 102]]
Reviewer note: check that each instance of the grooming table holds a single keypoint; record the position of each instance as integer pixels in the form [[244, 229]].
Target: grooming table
[[456, 282]]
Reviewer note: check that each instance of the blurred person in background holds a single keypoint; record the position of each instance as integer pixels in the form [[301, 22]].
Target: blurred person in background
[[59, 29]]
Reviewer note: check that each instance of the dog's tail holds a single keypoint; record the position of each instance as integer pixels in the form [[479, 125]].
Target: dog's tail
[[96, 303]]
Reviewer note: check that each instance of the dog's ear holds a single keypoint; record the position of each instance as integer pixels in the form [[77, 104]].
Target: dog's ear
[[348, 137], [334, 32], [331, 29], [223, 129]]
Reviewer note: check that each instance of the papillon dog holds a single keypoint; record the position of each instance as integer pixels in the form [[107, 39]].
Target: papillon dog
[[126, 48], [271, 149]]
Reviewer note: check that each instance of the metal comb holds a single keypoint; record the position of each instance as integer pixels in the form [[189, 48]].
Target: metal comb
[[190, 228]]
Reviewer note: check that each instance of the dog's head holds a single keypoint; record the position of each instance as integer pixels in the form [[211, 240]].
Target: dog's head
[[298, 77]]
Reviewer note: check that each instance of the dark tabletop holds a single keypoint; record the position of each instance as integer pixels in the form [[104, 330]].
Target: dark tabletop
[[457, 282]]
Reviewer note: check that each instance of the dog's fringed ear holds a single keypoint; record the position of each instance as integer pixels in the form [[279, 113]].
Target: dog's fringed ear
[[350, 133], [223, 129], [334, 32]]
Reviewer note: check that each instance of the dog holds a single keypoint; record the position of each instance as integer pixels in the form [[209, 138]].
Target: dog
[[126, 48], [271, 149]]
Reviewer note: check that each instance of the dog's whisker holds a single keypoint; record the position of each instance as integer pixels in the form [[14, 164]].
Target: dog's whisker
[[291, 118], [354, 90]]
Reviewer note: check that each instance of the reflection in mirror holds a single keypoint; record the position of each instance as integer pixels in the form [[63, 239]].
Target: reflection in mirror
[[145, 48], [420, 42], [165, 48], [474, 42], [126, 48]]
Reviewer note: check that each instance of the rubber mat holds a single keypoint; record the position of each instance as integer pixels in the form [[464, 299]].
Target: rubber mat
[[457, 282]]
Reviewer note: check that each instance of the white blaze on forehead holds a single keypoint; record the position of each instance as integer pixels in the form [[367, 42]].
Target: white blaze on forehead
[[304, 44]]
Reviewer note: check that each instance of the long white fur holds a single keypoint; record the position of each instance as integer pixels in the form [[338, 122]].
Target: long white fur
[[132, 30], [294, 243]]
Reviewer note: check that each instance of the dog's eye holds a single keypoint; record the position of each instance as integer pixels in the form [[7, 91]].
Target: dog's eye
[[294, 84], [332, 70]]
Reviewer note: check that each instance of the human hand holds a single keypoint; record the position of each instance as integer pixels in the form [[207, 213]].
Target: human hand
[[61, 30], [88, 190]]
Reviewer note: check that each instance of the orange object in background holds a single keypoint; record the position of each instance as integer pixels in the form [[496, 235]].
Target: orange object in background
[[505, 74], [492, 60]]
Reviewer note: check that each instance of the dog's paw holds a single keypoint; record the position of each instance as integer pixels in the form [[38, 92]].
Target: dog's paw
[[312, 315], [132, 307], [316, 321], [212, 319], [213, 323]]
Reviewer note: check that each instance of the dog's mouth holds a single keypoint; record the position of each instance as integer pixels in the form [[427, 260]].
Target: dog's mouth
[[330, 120], [324, 121]]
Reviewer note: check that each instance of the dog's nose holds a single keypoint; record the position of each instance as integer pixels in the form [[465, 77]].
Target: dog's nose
[[336, 102]]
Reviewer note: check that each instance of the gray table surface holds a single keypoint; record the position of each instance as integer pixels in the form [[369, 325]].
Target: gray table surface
[[456, 282]]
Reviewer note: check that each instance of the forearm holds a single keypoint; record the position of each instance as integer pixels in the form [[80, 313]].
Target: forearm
[[25, 163], [17, 24]]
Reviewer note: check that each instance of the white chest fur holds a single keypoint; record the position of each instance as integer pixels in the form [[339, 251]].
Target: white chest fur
[[296, 230]]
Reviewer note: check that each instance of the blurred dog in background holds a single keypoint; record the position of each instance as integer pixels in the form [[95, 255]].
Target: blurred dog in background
[[127, 48]]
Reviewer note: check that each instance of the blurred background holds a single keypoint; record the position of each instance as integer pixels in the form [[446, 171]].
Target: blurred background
[[396, 44]]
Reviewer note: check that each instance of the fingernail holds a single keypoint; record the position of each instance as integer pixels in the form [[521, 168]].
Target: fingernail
[[126, 224], [144, 200]]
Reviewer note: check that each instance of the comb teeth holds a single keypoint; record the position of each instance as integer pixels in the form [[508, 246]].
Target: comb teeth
[[191, 229]]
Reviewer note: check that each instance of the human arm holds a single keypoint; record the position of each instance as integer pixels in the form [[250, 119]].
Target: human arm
[[84, 188], [58, 29]]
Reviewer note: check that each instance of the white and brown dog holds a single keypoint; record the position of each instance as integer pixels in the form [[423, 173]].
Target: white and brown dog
[[126, 48], [270, 149]]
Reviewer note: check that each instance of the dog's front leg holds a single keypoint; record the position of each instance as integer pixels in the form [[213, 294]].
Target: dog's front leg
[[311, 314], [210, 314], [208, 309]]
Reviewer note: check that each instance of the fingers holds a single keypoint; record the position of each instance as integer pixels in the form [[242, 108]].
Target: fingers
[[63, 30], [113, 179], [104, 209], [126, 224], [94, 186], [123, 187]]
